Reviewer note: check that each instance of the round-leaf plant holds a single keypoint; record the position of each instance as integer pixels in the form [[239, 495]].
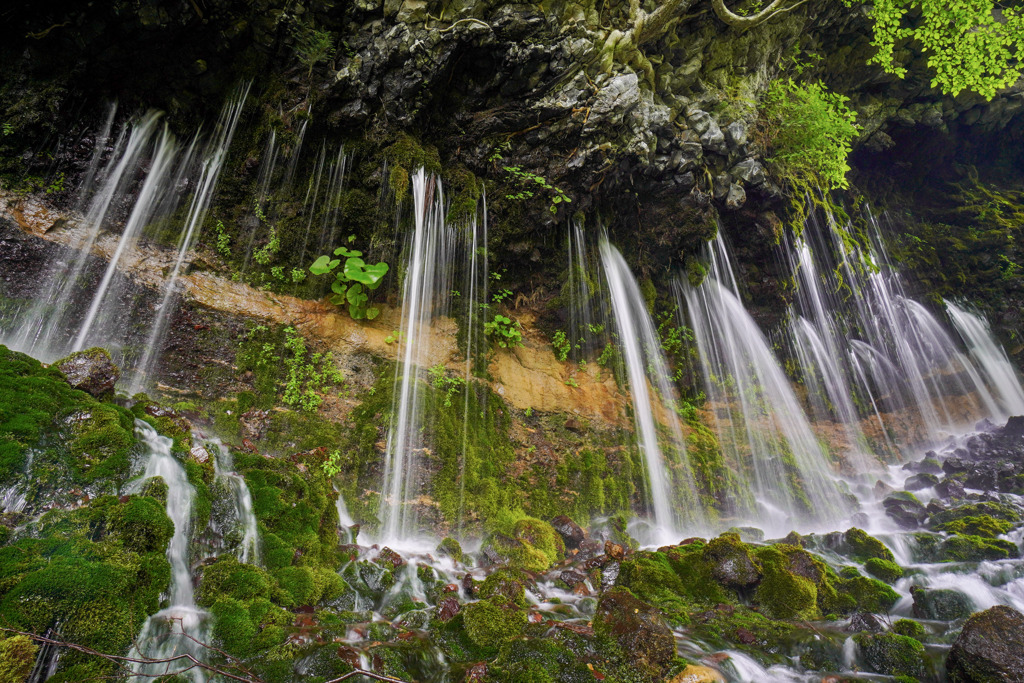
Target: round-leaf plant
[[353, 282]]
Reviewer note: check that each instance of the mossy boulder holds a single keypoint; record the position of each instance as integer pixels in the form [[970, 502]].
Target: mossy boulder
[[891, 654], [862, 547], [944, 604], [506, 585], [870, 595], [783, 594], [537, 659], [964, 548], [531, 544], [1002, 511], [731, 562], [650, 577], [638, 628], [92, 370], [985, 526], [489, 623], [909, 628], [885, 570], [989, 648], [449, 547]]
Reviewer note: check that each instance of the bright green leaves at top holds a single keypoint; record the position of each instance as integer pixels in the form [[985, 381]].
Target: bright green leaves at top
[[505, 331], [973, 45], [353, 282], [808, 131]]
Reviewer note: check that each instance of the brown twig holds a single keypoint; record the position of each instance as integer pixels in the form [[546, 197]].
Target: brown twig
[[193, 663]]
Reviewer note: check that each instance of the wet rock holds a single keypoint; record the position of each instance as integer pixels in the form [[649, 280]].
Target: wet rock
[[929, 465], [570, 531], [1014, 427], [905, 510], [942, 604], [614, 550], [749, 171], [253, 423], [389, 558], [572, 577], [449, 547], [950, 487], [638, 628], [697, 674], [861, 546], [892, 654], [448, 608], [736, 197], [865, 621], [731, 563], [924, 480], [504, 586], [199, 454], [714, 140], [92, 371], [736, 133], [989, 648]]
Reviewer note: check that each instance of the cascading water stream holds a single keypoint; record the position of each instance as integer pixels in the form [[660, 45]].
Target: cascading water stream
[[646, 370], [248, 549], [990, 357], [45, 329], [212, 164], [161, 635], [763, 422], [427, 286]]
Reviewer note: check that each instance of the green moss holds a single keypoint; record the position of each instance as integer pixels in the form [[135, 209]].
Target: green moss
[[870, 595], [449, 547], [1001, 511], [650, 577], [885, 570], [985, 526], [863, 547], [781, 593], [892, 654], [530, 543], [504, 585], [540, 660], [695, 573], [909, 628], [977, 549], [17, 656], [489, 624]]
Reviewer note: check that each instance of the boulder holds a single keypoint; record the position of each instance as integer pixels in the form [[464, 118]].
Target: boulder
[[92, 371], [892, 654], [989, 648], [697, 674], [638, 628], [570, 531], [905, 510], [944, 604], [922, 480], [731, 563]]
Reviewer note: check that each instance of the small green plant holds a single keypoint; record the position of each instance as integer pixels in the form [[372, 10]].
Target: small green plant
[[571, 382], [56, 185], [808, 132], [607, 355], [505, 331], [8, 128], [308, 374], [313, 46], [298, 275], [395, 336], [451, 386], [277, 272], [265, 254], [332, 464], [561, 344], [223, 239], [527, 181], [528, 412], [500, 295], [353, 281]]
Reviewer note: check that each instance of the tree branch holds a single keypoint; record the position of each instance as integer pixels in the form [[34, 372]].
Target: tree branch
[[192, 663], [743, 23]]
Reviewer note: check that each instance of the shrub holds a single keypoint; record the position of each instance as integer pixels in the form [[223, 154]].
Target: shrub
[[808, 131]]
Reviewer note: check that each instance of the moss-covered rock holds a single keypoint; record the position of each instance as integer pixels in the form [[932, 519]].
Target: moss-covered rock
[[537, 659], [782, 594], [505, 585], [731, 562], [17, 656], [943, 604], [449, 547], [489, 623], [530, 544], [989, 648], [863, 547], [638, 628], [892, 654], [885, 570], [650, 577], [909, 628], [985, 526], [92, 370]]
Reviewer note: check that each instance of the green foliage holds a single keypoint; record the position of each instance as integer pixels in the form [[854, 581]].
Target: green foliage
[[527, 181], [885, 570], [265, 254], [223, 240], [353, 282], [450, 385], [808, 131], [332, 464], [505, 331], [307, 377], [489, 623], [561, 344], [313, 46], [974, 45]]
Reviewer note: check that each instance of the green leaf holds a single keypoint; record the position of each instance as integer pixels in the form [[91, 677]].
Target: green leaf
[[356, 296], [347, 253], [338, 287], [323, 265], [372, 312]]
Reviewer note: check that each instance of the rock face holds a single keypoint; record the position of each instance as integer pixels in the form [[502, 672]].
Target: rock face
[[91, 370], [990, 648]]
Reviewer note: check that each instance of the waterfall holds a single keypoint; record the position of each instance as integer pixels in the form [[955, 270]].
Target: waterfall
[[861, 341], [224, 469], [162, 634], [760, 423], [45, 329], [651, 392], [212, 164], [425, 292], [990, 357]]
